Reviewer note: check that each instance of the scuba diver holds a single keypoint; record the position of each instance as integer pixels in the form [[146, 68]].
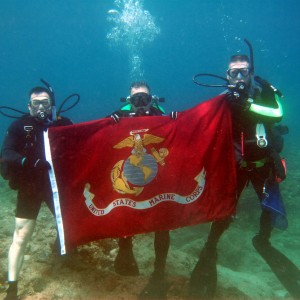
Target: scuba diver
[[24, 165], [139, 103], [142, 103], [256, 108]]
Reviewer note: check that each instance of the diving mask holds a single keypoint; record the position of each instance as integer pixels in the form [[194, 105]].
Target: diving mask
[[140, 99], [37, 101], [234, 72]]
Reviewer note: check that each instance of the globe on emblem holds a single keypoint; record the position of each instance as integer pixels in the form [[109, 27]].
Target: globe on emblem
[[143, 173]]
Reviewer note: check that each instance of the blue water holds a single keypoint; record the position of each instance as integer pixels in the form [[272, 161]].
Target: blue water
[[65, 43]]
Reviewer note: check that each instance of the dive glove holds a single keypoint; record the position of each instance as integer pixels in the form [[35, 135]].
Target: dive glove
[[279, 166], [37, 164], [238, 102]]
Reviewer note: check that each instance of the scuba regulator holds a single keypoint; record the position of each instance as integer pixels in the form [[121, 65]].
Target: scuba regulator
[[239, 91], [42, 115]]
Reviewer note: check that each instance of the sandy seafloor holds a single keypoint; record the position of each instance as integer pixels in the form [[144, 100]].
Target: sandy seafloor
[[88, 272]]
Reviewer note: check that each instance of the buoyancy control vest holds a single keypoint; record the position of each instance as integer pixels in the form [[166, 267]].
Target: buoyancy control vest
[[24, 139], [255, 132]]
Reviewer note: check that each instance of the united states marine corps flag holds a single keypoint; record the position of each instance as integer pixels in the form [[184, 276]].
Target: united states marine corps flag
[[142, 174]]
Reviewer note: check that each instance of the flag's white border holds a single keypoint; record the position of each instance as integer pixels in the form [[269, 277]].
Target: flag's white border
[[59, 221]]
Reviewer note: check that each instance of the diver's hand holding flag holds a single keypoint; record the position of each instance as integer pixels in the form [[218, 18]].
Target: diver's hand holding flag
[[142, 174]]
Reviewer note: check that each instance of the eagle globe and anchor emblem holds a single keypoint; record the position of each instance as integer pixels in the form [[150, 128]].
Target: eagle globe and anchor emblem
[[140, 168]]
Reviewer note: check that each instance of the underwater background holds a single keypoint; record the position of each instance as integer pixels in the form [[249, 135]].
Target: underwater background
[[96, 48]]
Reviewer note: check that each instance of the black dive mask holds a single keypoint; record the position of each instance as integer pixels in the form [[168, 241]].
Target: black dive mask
[[140, 100], [140, 103]]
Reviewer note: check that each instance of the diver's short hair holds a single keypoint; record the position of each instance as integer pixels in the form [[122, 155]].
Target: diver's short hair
[[39, 90], [239, 57], [138, 84]]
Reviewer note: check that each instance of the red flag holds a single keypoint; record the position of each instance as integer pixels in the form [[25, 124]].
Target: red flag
[[143, 174]]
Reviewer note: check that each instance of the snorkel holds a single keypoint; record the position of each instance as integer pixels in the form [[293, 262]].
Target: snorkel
[[43, 116], [251, 55]]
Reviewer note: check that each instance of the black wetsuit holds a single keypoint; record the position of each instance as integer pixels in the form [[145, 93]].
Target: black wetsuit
[[24, 138], [256, 165], [253, 164]]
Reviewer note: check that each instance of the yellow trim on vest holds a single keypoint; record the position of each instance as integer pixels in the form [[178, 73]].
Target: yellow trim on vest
[[257, 164], [268, 111]]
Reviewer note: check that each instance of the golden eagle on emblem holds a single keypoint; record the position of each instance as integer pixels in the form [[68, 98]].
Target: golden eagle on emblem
[[138, 163], [137, 142]]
